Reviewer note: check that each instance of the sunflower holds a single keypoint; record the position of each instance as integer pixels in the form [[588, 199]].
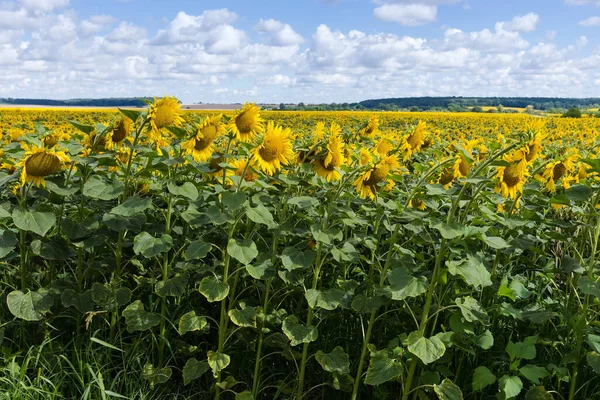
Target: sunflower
[[511, 178], [564, 171], [163, 113], [370, 128], [247, 123], [52, 139], [417, 203], [533, 149], [447, 177], [119, 132], [39, 162], [326, 166], [239, 165], [364, 157], [384, 145], [413, 142], [201, 146], [369, 182], [275, 149], [462, 165]]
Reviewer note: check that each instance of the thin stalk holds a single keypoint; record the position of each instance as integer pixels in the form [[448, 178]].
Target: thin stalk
[[165, 277]]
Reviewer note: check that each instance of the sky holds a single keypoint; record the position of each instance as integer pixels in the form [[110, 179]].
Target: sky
[[312, 51]]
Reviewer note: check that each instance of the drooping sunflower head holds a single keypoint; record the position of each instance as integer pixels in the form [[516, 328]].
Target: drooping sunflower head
[[39, 162], [274, 150], [414, 141], [417, 203], [372, 180], [201, 146], [245, 167], [334, 157], [384, 145], [370, 128], [533, 149], [511, 178], [364, 157], [119, 132], [163, 113], [447, 177], [247, 123]]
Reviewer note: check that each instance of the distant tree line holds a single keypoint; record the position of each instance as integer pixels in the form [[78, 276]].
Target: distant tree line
[[111, 102]]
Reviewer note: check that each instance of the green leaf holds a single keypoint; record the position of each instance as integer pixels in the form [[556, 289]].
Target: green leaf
[[233, 200], [472, 270], [245, 317], [34, 221], [197, 250], [337, 361], [149, 246], [194, 369], [216, 216], [524, 350], [471, 310], [303, 201], [137, 319], [118, 223], [366, 305], [428, 350], [83, 128], [298, 333], [56, 248], [450, 231], [245, 395], [186, 190], [589, 286], [54, 188], [131, 206], [495, 242], [533, 373], [593, 341], [260, 215], [261, 270], [510, 385], [538, 393], [213, 289], [404, 285], [482, 378], [578, 193], [447, 390], [8, 241], [292, 258], [133, 115], [156, 376], [217, 362], [569, 264], [30, 306], [190, 322], [244, 251], [485, 340], [382, 368], [593, 360], [328, 299], [83, 302], [319, 234], [96, 188], [108, 298], [174, 287]]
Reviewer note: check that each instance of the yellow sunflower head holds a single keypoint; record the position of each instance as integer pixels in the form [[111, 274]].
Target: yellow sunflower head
[[370, 128], [414, 141], [417, 203], [163, 113], [274, 150], [39, 162], [370, 181], [511, 178], [201, 146], [247, 123], [334, 158], [119, 132], [241, 167]]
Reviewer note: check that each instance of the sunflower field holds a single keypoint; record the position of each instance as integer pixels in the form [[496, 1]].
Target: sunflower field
[[167, 254]]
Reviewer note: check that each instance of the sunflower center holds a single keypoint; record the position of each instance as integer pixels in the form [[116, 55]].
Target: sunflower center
[[120, 132], [163, 117], [447, 176], [463, 167], [214, 164], [202, 143], [209, 132], [269, 150], [377, 175], [559, 171], [42, 164], [533, 150], [511, 176], [245, 122]]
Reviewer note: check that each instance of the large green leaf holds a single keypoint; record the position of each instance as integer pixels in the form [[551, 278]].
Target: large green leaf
[[186, 190], [589, 286], [149, 246], [404, 285], [428, 350], [83, 302], [328, 299], [30, 306], [382, 368], [194, 369], [131, 206], [337, 361], [298, 333], [593, 360], [524, 350], [447, 390], [472, 270], [109, 298], [38, 222], [96, 188], [190, 322], [510, 385], [538, 393], [217, 362], [260, 215], [471, 310], [233, 200], [533, 373], [138, 319], [244, 251], [245, 317], [292, 258], [156, 376], [213, 289], [174, 287], [482, 378], [8, 240], [197, 250]]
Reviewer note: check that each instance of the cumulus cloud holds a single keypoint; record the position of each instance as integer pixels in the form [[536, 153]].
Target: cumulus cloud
[[522, 23], [280, 34], [591, 21], [406, 14], [96, 23], [43, 5], [583, 2]]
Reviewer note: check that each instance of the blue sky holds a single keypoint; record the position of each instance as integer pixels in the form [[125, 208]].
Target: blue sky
[[308, 50]]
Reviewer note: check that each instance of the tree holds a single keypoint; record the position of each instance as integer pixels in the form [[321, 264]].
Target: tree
[[477, 109], [282, 106], [572, 113], [415, 109]]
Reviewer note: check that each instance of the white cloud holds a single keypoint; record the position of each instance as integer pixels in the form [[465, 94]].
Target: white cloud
[[522, 23], [43, 5], [583, 2], [280, 34], [406, 14], [591, 21], [96, 23]]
